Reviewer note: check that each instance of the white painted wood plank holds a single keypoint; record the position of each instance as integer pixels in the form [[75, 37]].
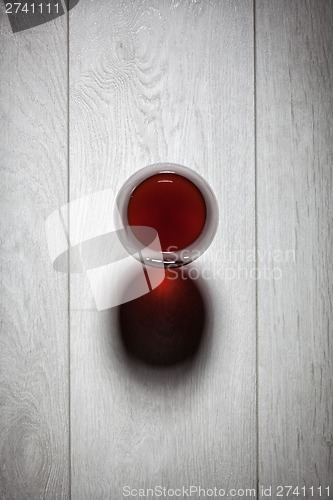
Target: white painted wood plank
[[34, 458], [295, 151], [166, 81]]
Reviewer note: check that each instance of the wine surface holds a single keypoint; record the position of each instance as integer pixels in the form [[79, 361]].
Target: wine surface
[[172, 205]]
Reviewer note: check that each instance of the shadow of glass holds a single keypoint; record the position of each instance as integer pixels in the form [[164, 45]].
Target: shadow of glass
[[165, 327]]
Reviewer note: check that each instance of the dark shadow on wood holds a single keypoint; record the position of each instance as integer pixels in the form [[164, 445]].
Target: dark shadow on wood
[[167, 326]]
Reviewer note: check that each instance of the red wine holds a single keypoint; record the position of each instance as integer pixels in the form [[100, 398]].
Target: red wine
[[172, 205]]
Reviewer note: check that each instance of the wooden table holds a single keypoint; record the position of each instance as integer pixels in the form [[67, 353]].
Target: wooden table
[[242, 93]]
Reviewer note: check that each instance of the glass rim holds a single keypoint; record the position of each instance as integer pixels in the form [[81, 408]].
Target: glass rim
[[189, 253]]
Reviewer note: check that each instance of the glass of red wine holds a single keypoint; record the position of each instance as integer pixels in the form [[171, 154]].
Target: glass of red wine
[[177, 204]]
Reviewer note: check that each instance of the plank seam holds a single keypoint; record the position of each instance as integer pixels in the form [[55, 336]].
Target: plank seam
[[256, 240], [68, 279]]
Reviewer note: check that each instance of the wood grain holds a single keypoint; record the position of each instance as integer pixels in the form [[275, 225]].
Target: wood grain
[[295, 152], [171, 81], [34, 458], [166, 81]]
